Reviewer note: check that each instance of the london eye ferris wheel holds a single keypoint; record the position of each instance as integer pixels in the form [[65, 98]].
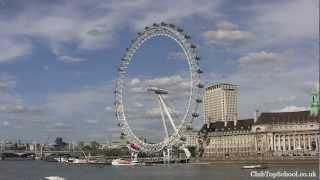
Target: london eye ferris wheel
[[189, 49]]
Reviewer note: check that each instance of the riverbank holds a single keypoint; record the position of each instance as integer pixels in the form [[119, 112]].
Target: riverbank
[[314, 161]]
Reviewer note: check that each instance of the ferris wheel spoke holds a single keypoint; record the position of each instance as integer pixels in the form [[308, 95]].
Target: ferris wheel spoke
[[168, 113], [163, 119]]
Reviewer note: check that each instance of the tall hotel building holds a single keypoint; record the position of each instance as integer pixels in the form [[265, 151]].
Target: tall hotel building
[[221, 103]]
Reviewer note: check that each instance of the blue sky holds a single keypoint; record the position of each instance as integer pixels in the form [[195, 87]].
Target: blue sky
[[58, 60]]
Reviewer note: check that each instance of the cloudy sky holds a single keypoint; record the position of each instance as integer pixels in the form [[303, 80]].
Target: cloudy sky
[[58, 61]]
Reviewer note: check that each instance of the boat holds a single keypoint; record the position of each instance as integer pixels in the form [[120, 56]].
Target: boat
[[85, 160], [255, 166], [122, 162], [54, 178], [61, 159], [77, 161]]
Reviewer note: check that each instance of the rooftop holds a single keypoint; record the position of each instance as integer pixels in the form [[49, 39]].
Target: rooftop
[[286, 117], [244, 124], [214, 86]]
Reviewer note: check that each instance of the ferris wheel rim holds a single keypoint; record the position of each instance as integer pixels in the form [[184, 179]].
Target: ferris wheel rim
[[188, 48]]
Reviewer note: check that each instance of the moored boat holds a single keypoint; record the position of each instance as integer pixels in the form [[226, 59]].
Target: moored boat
[[54, 178], [122, 162], [78, 161], [255, 166], [61, 159]]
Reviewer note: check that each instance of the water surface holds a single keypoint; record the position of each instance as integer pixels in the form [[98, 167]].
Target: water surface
[[37, 170]]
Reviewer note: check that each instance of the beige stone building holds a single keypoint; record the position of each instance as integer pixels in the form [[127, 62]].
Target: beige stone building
[[192, 137], [287, 134], [282, 134], [229, 141], [221, 103]]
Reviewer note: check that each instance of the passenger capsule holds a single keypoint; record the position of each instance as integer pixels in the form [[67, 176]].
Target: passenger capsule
[[172, 26], [199, 71], [193, 46], [121, 69], [180, 30], [200, 85], [163, 24], [195, 115]]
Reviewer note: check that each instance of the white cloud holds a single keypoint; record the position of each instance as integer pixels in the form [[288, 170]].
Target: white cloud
[[176, 56], [139, 104], [176, 85], [80, 100], [59, 124], [10, 101], [175, 81], [174, 11], [291, 109], [265, 64], [71, 60], [260, 57], [108, 108], [11, 49], [92, 121], [155, 113], [7, 82], [67, 24], [226, 33], [46, 68], [5, 123], [290, 98], [168, 81], [134, 81], [283, 22], [226, 25]]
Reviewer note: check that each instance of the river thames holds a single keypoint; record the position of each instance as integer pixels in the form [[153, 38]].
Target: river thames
[[38, 170]]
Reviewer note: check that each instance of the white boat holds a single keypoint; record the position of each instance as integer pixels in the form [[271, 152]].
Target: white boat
[[78, 161], [122, 162], [85, 160], [255, 166], [54, 178], [61, 159]]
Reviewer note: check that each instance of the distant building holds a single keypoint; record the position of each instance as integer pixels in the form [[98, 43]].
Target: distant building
[[192, 137], [118, 143], [221, 103]]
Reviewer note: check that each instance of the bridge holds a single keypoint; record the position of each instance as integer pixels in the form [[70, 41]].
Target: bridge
[[33, 154]]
